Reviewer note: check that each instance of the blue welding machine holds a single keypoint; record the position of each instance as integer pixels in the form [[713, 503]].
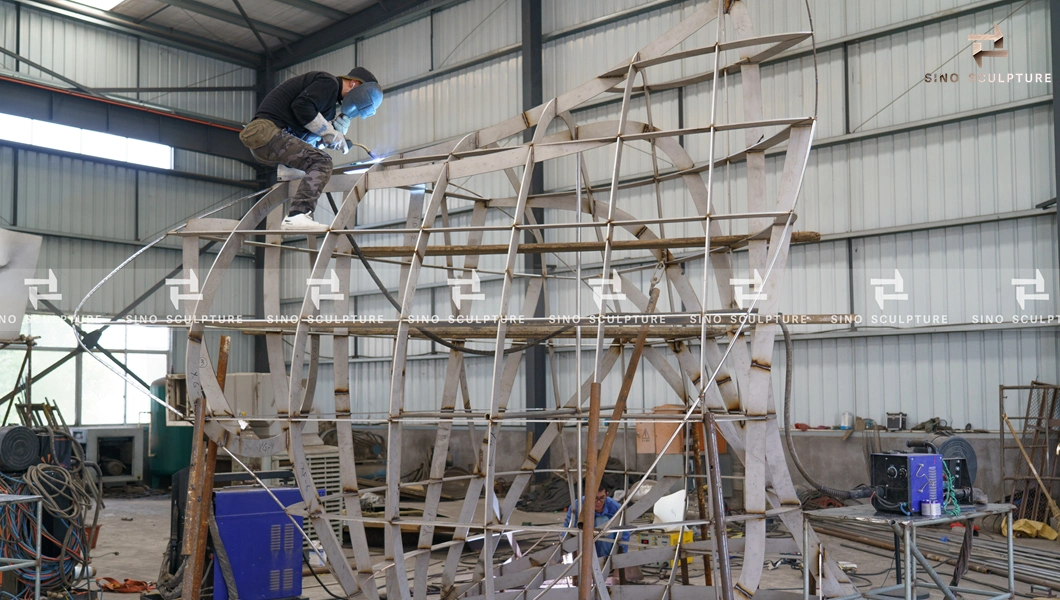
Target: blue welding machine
[[904, 482], [263, 546]]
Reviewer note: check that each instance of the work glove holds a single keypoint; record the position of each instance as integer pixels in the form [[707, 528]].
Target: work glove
[[341, 123], [329, 136]]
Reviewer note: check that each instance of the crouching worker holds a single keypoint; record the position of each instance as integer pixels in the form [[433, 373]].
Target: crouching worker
[[605, 508], [301, 116]]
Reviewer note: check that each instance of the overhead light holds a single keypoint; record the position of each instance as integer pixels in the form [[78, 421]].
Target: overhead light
[[100, 4]]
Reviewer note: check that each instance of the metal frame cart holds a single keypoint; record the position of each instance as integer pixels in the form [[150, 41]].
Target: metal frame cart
[[10, 564], [905, 526]]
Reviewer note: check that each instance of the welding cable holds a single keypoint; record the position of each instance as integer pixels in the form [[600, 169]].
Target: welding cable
[[19, 520], [862, 492], [428, 334], [317, 577]]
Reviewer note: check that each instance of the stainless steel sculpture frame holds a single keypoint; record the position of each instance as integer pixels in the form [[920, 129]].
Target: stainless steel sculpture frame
[[730, 378]]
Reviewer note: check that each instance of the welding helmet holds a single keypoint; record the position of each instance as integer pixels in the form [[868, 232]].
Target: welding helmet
[[363, 100]]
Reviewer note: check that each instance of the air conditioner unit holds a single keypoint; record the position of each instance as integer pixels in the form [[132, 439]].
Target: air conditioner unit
[[118, 450], [326, 471]]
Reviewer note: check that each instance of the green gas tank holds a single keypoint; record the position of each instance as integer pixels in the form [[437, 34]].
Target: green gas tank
[[170, 444]]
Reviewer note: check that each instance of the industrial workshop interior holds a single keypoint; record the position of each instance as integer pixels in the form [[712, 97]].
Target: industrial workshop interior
[[529, 300]]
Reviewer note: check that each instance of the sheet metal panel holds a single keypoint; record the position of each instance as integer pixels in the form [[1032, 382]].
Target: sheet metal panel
[[989, 165], [561, 14], [444, 107], [162, 66], [474, 28], [337, 62], [88, 55], [961, 273], [76, 196], [398, 54], [993, 164], [214, 166], [7, 169], [167, 202], [887, 74], [8, 26], [953, 376], [240, 356], [571, 61]]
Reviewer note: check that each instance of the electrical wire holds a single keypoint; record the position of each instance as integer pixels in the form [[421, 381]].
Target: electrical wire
[[789, 349], [317, 577]]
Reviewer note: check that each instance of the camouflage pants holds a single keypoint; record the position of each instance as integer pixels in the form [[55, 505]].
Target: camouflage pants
[[285, 149]]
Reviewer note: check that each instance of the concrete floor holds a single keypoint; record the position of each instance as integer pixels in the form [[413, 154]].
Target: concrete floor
[[135, 532]]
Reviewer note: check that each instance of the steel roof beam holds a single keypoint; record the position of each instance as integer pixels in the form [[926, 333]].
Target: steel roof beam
[[343, 32], [315, 8], [233, 18], [41, 102], [148, 31]]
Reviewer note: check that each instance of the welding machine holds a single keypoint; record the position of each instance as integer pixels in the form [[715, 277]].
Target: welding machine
[[264, 547], [908, 483]]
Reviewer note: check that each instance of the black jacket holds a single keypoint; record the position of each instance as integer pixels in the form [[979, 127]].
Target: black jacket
[[297, 101]]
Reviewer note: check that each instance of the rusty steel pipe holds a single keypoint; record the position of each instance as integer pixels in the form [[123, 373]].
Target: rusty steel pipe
[[588, 508]]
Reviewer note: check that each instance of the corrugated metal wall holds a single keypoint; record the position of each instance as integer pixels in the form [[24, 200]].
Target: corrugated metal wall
[[937, 180], [94, 215], [97, 57]]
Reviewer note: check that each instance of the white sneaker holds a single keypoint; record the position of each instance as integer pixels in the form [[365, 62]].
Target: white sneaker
[[302, 222]]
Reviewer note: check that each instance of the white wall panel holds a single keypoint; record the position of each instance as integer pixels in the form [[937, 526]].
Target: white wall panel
[[958, 272], [214, 166], [887, 74], [167, 201], [8, 28], [336, 62], [398, 54], [474, 28], [240, 356], [88, 55], [162, 66], [954, 376], [571, 61], [562, 14], [7, 169], [76, 196], [993, 164], [444, 107]]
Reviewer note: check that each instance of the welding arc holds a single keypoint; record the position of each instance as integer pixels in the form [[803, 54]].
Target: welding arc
[[789, 350], [430, 335]]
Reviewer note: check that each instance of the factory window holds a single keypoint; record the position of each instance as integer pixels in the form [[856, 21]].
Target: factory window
[[83, 141], [105, 397]]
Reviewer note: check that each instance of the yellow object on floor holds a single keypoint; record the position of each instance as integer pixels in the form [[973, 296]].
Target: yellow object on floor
[[1032, 529]]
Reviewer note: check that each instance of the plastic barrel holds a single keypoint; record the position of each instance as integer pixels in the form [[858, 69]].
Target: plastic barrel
[[19, 448]]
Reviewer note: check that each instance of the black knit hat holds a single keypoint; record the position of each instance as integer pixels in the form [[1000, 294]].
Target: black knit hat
[[361, 74]]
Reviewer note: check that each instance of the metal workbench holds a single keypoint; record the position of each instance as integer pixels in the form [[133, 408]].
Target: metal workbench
[[905, 527]]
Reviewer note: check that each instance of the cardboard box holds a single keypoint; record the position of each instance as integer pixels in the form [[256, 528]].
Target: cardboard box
[[652, 435]]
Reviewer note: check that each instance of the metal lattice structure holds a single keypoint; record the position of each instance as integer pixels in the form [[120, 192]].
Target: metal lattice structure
[[729, 381]]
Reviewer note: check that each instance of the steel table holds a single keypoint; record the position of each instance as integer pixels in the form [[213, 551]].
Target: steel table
[[906, 526]]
